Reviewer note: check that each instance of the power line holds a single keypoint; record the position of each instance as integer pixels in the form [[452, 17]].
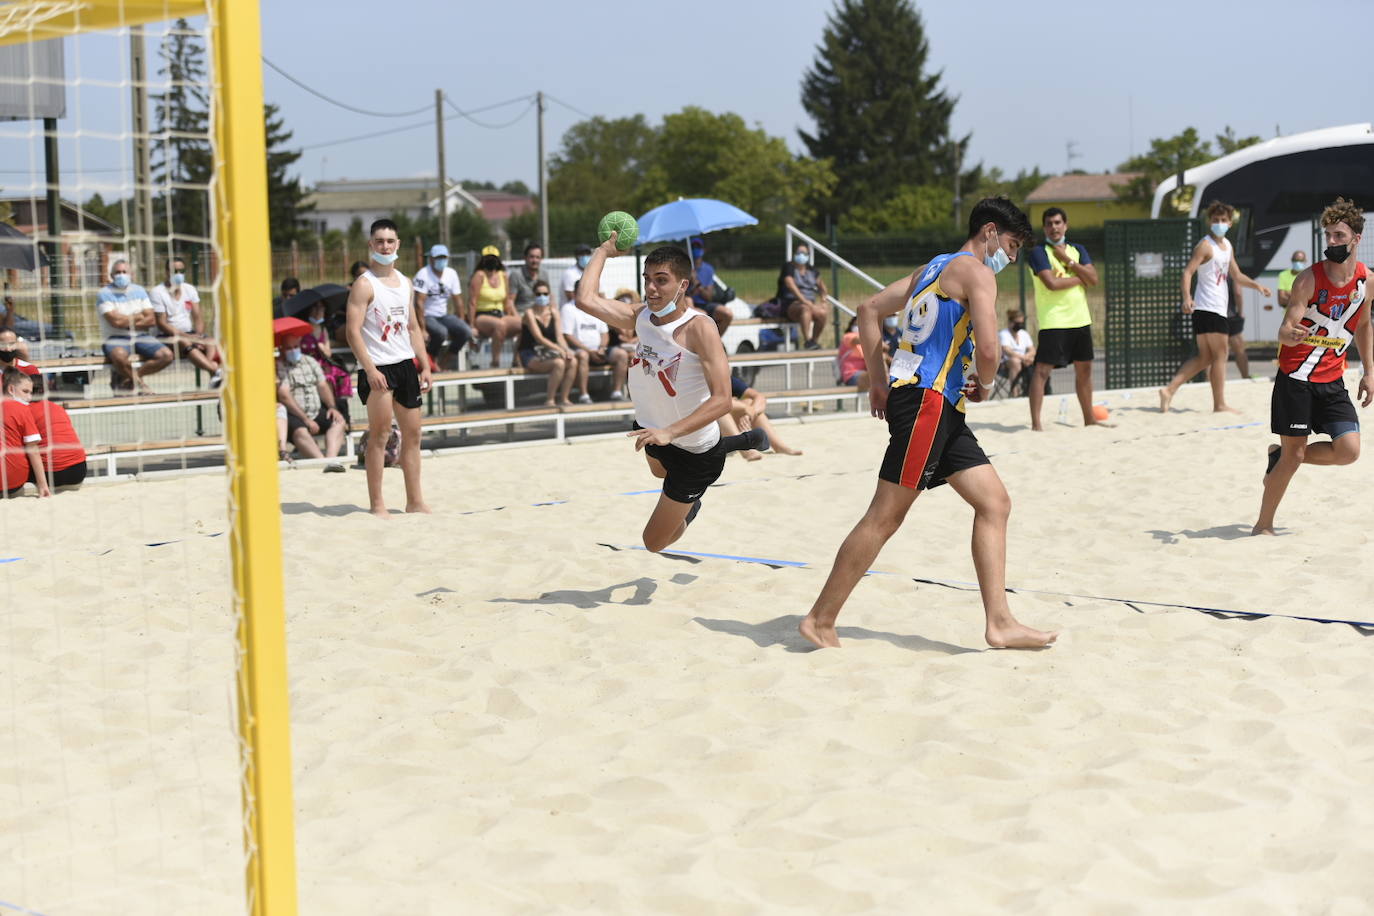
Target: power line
[[567, 106], [469, 113], [345, 105], [426, 123]]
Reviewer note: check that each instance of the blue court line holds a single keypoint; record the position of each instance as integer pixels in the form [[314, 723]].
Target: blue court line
[[19, 909], [973, 586]]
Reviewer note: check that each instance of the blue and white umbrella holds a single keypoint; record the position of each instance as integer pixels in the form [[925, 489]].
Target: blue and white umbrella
[[684, 218]]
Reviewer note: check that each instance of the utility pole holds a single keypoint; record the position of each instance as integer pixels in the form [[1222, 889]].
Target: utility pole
[[142, 256], [443, 177], [543, 175], [54, 243]]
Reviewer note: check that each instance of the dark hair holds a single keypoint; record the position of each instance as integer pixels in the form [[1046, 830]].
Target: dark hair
[[1052, 212], [1217, 208], [382, 223], [1344, 211], [290, 283], [12, 377], [672, 257], [353, 268], [531, 246], [173, 259], [490, 262], [1001, 211], [543, 283]]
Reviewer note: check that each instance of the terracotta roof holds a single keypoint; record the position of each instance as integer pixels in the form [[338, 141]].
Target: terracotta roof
[[498, 206], [1079, 187]]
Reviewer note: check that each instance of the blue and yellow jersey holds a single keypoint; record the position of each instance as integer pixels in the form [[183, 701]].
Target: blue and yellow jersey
[[935, 347]]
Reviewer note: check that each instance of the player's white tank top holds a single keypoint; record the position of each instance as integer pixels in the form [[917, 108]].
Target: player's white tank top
[[386, 326], [1212, 290], [667, 383]]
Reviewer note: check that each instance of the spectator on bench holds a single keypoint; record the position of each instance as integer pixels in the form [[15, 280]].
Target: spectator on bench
[[127, 318], [289, 287], [589, 339], [490, 312], [853, 365], [64, 459], [626, 340], [20, 462], [746, 412], [1018, 352], [436, 287], [316, 344], [13, 355], [541, 349], [704, 288], [308, 398], [181, 324], [7, 317], [802, 295]]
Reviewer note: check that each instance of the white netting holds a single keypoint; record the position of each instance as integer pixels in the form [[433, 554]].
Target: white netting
[[119, 766]]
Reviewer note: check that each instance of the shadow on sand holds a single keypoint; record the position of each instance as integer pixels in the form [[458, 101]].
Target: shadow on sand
[[586, 599], [782, 631], [312, 509], [1219, 532]]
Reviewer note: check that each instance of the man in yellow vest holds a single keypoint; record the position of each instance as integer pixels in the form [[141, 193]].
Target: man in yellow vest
[[1062, 271]]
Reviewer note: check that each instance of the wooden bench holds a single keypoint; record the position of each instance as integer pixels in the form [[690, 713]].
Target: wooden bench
[[111, 455], [558, 416], [140, 402]]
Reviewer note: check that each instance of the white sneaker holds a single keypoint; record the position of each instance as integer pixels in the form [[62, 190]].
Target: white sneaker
[[217, 379], [584, 399], [617, 396]]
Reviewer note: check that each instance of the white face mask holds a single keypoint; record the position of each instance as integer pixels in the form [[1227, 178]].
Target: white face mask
[[384, 258], [998, 259], [668, 309]]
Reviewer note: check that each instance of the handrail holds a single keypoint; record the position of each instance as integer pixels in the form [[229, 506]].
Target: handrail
[[817, 246]]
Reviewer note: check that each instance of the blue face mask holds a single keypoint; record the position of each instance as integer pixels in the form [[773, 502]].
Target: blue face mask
[[801, 257], [542, 299], [583, 260], [178, 279], [384, 258], [440, 265], [1299, 266], [668, 309], [121, 281], [316, 321], [292, 356], [1219, 229], [997, 260]]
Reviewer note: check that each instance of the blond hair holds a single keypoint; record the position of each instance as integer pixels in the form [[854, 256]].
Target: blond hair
[[1344, 211]]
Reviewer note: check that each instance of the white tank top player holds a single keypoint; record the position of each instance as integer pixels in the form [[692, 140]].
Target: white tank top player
[[1212, 291], [386, 326], [666, 381]]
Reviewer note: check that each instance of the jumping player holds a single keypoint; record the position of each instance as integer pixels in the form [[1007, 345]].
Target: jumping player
[[384, 332], [680, 382], [1213, 261], [1326, 310], [948, 313]]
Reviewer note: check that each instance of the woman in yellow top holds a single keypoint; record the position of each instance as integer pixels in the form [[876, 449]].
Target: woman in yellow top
[[489, 315]]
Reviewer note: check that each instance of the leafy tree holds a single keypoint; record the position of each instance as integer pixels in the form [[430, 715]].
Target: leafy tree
[[284, 195], [468, 230], [1228, 142], [181, 152], [568, 226], [879, 115], [909, 208], [602, 163], [1170, 155]]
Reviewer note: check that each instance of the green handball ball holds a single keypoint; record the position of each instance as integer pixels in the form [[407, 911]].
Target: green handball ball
[[621, 222]]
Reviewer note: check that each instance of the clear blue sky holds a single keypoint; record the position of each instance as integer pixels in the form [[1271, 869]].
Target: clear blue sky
[[1106, 76]]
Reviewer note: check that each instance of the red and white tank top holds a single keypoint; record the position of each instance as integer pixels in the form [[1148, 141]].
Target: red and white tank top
[[1211, 279], [666, 381], [387, 322], [1331, 316]]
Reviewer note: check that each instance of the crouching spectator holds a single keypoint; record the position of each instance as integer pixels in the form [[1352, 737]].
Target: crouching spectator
[[307, 397], [1018, 352], [20, 462], [853, 365]]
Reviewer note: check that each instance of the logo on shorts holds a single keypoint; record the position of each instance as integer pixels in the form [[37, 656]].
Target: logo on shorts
[[1297, 426]]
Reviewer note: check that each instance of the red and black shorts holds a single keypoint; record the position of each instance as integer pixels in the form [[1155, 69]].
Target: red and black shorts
[[929, 439]]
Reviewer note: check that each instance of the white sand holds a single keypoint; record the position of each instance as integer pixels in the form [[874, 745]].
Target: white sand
[[493, 713]]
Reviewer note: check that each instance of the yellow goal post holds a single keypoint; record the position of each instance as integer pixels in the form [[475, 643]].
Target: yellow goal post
[[239, 194]]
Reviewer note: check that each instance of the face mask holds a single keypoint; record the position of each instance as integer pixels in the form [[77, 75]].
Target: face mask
[[121, 281], [1299, 266], [801, 257], [583, 260], [1337, 254], [384, 258], [1058, 241], [668, 309], [998, 259], [292, 356], [1018, 326], [7, 356], [542, 299], [440, 264], [697, 254], [178, 279], [1219, 229], [316, 321], [22, 399], [890, 322]]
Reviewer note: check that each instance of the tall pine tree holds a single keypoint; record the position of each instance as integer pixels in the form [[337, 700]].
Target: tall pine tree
[[181, 151], [284, 195], [880, 118]]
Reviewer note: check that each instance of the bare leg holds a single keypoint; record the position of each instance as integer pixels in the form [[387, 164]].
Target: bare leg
[[800, 312], [1295, 452], [1216, 370], [1040, 376], [982, 489], [379, 413], [584, 369], [333, 440], [762, 422], [818, 317], [620, 367], [1242, 357], [160, 360], [729, 426], [1190, 368], [667, 524], [305, 443], [408, 419], [567, 372], [119, 360], [1083, 387], [856, 555]]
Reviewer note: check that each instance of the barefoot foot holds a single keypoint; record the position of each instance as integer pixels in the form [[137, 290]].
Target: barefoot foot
[[1224, 409], [750, 455], [1165, 399], [785, 450], [380, 512], [412, 508], [1018, 636], [822, 636], [1257, 530]]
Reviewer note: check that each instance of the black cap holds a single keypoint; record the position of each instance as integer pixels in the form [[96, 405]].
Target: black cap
[[583, 249]]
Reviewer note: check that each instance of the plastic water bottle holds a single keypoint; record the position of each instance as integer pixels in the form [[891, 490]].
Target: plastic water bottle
[[1063, 410]]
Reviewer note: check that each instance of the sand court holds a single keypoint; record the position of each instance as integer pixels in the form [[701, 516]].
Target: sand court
[[508, 707]]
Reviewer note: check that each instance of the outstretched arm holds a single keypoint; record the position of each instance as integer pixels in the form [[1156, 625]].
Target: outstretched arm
[[589, 299], [1241, 279]]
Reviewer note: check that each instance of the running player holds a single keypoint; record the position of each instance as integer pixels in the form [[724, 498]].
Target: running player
[[948, 313], [1213, 261], [384, 332], [680, 383], [1326, 310]]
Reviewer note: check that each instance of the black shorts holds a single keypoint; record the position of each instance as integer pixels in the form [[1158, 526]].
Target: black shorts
[[689, 473], [322, 420], [1209, 323], [403, 379], [1235, 324], [1300, 408], [929, 439], [1060, 346]]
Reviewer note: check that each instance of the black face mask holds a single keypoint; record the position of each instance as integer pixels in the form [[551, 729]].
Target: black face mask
[[8, 356], [1337, 254], [1018, 326]]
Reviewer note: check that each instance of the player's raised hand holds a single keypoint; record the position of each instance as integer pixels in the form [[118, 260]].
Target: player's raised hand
[[609, 246], [645, 437]]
